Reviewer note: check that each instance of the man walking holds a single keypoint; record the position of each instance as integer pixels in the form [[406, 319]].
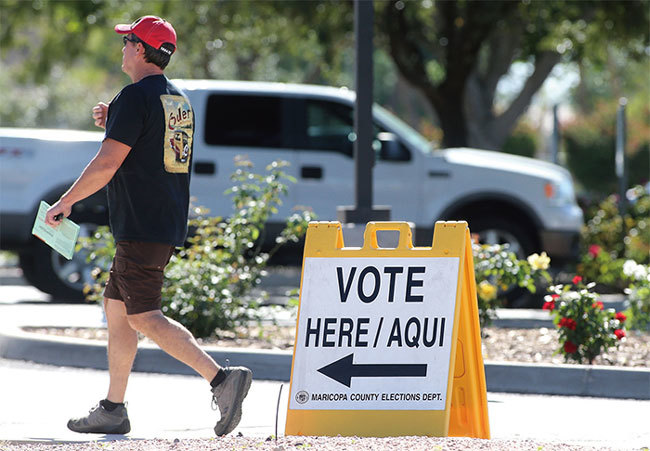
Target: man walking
[[145, 159]]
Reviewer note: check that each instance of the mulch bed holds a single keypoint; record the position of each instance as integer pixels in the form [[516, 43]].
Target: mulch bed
[[499, 344]]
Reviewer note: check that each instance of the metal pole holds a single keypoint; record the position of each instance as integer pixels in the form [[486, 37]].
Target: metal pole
[[555, 141], [621, 172], [364, 157]]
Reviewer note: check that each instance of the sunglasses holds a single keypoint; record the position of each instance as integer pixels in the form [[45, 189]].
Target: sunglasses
[[126, 39]]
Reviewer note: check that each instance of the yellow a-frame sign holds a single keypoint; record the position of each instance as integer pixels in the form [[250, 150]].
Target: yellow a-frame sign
[[387, 339]]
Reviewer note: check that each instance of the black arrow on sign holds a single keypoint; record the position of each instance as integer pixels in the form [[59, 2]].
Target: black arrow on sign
[[343, 370]]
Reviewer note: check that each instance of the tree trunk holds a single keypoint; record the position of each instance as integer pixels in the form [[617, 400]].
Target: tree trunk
[[491, 131], [452, 121]]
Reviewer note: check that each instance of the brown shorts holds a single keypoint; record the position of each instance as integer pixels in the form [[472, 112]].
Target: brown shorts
[[136, 275]]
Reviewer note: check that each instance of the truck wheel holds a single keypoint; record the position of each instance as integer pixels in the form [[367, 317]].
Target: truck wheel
[[501, 231], [50, 272]]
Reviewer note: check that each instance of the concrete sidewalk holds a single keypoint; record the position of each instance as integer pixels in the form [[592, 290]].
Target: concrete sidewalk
[[163, 406], [23, 306]]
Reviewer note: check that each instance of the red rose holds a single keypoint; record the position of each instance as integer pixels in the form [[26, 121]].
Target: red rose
[[621, 317], [568, 323], [598, 305], [594, 250], [620, 333], [576, 280], [549, 305], [555, 297], [570, 347]]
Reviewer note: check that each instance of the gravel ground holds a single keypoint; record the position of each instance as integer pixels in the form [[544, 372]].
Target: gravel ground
[[315, 443], [499, 344]]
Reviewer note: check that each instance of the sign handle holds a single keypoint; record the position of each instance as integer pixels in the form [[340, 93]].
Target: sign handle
[[370, 235]]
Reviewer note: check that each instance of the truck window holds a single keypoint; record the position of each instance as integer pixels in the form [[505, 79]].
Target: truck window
[[244, 120], [330, 126]]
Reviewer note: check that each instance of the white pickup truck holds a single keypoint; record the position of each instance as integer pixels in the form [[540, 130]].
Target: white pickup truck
[[525, 202]]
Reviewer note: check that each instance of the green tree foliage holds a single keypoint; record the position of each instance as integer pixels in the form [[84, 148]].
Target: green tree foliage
[[63, 56], [217, 39], [432, 58], [606, 76], [455, 53], [591, 146]]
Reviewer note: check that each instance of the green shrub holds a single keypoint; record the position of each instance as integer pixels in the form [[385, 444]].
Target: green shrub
[[208, 285], [522, 141], [586, 329], [638, 294], [591, 147], [608, 239], [637, 223], [497, 270]]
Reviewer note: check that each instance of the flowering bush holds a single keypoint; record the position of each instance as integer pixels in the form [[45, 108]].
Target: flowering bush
[[209, 284], [602, 266], [608, 238], [586, 328], [497, 270], [638, 294]]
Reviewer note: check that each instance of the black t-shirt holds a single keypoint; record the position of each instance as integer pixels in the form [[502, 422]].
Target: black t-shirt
[[148, 197]]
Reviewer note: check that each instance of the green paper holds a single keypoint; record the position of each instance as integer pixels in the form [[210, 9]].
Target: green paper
[[62, 239]]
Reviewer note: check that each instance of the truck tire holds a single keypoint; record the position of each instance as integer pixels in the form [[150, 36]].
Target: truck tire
[[522, 243], [50, 272], [502, 231]]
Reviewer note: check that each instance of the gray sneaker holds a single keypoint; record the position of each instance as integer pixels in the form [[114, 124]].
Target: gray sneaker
[[228, 397], [101, 421]]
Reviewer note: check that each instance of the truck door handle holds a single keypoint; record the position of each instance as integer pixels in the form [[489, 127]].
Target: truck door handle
[[311, 172], [205, 167]]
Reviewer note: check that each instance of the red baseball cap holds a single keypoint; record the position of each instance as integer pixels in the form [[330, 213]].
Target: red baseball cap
[[150, 29]]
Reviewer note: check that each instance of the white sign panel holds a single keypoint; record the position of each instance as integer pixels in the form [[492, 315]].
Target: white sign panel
[[374, 333]]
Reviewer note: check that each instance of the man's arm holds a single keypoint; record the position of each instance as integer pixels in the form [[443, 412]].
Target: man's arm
[[94, 177]]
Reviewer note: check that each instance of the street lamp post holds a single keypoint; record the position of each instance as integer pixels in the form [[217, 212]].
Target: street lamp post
[[621, 169]]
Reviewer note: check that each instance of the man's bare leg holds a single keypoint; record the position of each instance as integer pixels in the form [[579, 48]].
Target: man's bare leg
[[122, 347], [175, 340]]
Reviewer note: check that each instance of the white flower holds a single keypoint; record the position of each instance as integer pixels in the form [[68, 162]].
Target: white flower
[[572, 296], [640, 272], [629, 267]]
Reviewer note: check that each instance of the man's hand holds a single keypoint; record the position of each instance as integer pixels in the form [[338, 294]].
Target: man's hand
[[99, 114], [56, 213]]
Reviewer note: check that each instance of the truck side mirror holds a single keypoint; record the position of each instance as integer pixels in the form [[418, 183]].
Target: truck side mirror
[[391, 149]]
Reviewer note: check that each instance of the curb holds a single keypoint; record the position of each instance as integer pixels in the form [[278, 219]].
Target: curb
[[84, 353], [566, 380]]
